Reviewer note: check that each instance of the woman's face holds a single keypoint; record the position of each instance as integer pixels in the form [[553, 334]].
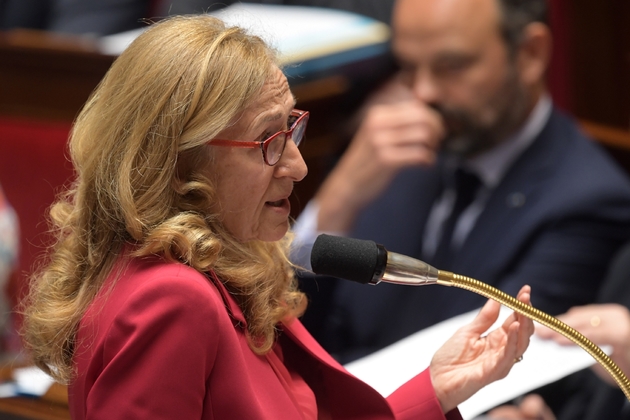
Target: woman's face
[[252, 197]]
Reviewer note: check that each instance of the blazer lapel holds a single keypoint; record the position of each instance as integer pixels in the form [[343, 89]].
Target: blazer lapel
[[306, 342]]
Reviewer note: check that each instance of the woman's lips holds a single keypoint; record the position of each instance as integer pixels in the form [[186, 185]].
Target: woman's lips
[[277, 203], [282, 205]]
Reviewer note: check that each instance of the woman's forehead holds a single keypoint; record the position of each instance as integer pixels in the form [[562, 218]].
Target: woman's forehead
[[272, 104], [275, 90], [274, 100]]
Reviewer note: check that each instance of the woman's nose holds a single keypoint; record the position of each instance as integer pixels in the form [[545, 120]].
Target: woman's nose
[[292, 163]]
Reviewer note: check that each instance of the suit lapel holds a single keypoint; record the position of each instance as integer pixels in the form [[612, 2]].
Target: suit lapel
[[508, 205]]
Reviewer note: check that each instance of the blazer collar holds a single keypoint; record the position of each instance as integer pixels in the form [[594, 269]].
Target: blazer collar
[[292, 328], [298, 333], [234, 311]]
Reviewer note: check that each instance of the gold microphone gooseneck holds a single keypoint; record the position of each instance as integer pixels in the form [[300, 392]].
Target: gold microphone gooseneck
[[446, 278]]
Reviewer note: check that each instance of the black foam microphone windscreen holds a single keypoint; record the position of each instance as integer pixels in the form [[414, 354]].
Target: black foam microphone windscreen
[[347, 258]]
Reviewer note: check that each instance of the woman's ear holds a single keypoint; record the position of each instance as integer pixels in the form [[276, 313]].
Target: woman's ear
[[183, 166], [534, 53], [191, 162]]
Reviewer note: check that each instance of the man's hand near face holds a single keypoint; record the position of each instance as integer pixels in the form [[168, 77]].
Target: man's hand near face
[[397, 131]]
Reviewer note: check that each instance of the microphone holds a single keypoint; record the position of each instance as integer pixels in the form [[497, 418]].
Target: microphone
[[367, 262], [370, 263]]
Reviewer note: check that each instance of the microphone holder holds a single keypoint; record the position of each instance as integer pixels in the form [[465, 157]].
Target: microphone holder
[[370, 263]]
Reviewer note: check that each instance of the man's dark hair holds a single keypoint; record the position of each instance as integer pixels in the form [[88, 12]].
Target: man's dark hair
[[516, 15]]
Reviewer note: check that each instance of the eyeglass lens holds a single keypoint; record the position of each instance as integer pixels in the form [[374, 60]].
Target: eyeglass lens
[[276, 146]]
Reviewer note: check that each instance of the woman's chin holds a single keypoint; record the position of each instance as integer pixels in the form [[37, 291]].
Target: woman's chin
[[274, 234]]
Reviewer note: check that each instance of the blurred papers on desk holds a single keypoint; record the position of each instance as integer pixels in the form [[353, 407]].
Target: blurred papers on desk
[[543, 362], [27, 381], [308, 39]]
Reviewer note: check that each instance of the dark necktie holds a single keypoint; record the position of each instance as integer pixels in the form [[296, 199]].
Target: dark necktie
[[466, 185]]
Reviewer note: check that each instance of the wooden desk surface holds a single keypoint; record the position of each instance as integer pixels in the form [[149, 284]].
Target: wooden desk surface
[[52, 406], [20, 408]]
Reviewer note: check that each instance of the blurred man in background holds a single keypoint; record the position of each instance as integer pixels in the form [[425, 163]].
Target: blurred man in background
[[463, 161]]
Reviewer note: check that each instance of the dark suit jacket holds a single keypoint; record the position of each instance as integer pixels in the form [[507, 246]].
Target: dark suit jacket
[[555, 220]]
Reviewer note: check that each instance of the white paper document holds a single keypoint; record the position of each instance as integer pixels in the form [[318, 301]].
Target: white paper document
[[543, 363], [30, 381]]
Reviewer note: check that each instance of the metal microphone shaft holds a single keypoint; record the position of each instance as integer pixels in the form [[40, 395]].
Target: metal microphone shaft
[[402, 269]]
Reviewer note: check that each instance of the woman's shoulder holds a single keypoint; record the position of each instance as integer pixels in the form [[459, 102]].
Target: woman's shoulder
[[149, 296], [157, 273], [155, 282], [163, 313]]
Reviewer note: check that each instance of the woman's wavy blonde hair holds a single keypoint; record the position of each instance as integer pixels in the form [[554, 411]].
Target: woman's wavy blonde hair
[[176, 86]]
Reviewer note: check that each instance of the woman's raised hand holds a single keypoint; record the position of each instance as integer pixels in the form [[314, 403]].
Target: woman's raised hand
[[471, 359]]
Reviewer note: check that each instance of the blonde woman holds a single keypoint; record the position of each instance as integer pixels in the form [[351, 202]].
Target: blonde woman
[[169, 293]]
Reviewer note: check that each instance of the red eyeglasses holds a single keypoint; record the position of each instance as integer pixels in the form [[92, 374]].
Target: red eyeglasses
[[273, 147]]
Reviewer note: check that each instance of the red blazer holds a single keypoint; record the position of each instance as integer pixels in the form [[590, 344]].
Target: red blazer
[[167, 342]]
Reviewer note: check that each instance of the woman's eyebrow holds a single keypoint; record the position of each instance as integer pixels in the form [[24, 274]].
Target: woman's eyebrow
[[272, 117], [278, 115]]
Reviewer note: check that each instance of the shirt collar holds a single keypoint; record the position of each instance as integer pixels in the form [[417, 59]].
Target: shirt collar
[[492, 165]]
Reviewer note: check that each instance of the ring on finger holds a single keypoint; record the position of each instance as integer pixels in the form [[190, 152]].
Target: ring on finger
[[595, 321]]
